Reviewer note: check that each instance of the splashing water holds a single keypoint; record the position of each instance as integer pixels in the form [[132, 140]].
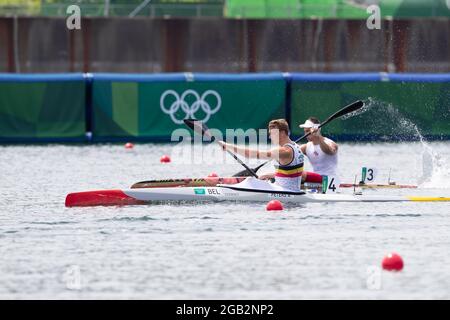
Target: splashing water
[[435, 171], [386, 119]]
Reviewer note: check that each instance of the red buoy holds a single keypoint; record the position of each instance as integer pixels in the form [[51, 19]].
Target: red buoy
[[274, 205], [129, 145], [392, 262], [165, 159], [213, 175]]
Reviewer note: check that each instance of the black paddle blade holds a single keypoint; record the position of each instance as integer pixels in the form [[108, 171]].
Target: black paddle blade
[[198, 126], [246, 173], [347, 109]]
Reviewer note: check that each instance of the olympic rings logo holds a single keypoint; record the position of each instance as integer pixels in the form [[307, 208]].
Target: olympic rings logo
[[189, 110]]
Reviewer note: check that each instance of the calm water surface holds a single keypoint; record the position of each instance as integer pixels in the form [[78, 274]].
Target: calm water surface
[[216, 250]]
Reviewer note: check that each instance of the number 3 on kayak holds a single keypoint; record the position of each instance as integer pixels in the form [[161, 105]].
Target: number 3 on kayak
[[330, 184], [368, 174]]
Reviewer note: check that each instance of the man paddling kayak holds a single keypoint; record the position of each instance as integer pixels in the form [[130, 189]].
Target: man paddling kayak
[[321, 152], [289, 167]]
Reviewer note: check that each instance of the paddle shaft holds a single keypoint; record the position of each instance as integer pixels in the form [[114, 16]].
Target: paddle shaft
[[202, 129], [252, 172]]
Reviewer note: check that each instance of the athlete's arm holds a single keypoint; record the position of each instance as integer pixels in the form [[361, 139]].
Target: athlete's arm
[[285, 155], [247, 152], [303, 148], [329, 147], [279, 154]]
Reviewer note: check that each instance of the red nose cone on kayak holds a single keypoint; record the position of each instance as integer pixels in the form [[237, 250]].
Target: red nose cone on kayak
[[392, 262], [100, 198], [274, 205]]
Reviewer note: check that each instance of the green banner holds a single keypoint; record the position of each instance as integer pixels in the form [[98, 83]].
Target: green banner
[[393, 109], [152, 110], [331, 9], [42, 110]]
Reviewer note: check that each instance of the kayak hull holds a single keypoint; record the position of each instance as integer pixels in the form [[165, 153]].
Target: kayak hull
[[222, 193]]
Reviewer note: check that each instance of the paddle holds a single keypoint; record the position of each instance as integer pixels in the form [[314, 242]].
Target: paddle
[[202, 129], [346, 110]]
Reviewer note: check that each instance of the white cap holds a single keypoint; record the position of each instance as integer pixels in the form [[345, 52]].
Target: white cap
[[309, 124]]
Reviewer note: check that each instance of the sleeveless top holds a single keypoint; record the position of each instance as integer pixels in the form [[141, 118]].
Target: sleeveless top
[[322, 163], [289, 176]]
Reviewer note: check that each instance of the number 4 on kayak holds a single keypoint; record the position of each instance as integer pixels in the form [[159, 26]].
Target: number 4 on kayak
[[330, 184]]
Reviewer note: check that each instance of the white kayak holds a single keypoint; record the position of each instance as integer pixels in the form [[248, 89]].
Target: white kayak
[[250, 190]]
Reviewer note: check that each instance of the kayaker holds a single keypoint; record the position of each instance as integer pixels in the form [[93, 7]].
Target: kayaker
[[322, 152], [287, 154]]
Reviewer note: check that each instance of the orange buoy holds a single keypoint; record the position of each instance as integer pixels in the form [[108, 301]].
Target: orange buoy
[[129, 145], [392, 262], [165, 159], [274, 205]]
